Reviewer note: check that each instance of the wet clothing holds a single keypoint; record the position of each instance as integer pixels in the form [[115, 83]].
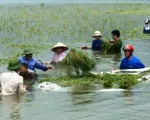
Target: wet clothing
[[96, 44], [57, 58], [116, 48], [133, 63], [33, 63], [11, 83], [29, 77]]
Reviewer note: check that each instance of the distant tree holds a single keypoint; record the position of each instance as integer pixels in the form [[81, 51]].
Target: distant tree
[[42, 4]]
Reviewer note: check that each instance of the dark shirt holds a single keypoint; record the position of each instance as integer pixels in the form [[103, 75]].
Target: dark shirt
[[96, 44], [146, 29], [29, 77], [116, 48]]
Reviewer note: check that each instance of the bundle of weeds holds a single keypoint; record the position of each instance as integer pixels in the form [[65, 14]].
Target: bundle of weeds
[[80, 62], [105, 45], [106, 80]]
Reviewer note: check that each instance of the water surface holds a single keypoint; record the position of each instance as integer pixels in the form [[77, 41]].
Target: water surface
[[79, 104]]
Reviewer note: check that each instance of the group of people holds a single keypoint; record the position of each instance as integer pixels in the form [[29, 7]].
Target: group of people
[[146, 29], [130, 61], [25, 67]]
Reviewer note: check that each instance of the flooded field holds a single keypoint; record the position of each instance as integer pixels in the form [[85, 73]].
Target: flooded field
[[40, 27]]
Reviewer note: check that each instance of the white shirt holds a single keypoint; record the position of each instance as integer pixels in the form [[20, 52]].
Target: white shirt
[[11, 83], [147, 27], [58, 58]]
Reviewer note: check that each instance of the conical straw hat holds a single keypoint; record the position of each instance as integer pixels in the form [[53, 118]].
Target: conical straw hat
[[97, 33], [60, 45]]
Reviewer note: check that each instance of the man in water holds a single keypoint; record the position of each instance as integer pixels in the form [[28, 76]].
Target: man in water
[[130, 61], [146, 28], [11, 82], [29, 75], [32, 62], [116, 42]]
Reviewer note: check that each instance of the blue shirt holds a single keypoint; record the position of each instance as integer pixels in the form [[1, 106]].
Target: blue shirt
[[33, 63], [133, 63], [96, 44]]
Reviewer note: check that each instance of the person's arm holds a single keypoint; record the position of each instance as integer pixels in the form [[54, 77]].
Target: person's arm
[[139, 64], [20, 59], [45, 63], [53, 59], [93, 44], [21, 87], [40, 66]]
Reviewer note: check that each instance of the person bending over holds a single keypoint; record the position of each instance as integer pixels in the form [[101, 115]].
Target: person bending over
[[27, 74], [32, 62]]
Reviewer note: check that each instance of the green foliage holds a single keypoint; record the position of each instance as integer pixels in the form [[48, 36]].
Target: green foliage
[[106, 80], [78, 60], [22, 27], [105, 46], [42, 4], [127, 82]]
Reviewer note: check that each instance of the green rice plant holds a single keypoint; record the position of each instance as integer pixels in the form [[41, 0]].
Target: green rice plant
[[81, 62], [105, 45], [105, 80], [127, 82], [21, 26]]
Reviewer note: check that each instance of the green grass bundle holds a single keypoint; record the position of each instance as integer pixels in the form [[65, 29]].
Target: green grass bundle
[[105, 81], [105, 45], [80, 62]]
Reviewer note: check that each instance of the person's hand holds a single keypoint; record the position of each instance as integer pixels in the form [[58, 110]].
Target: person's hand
[[111, 41], [84, 47], [25, 86], [49, 68]]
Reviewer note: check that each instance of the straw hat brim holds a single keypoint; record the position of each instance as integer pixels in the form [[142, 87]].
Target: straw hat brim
[[65, 48], [98, 35]]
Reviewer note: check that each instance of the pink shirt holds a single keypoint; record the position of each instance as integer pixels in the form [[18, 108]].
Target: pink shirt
[[58, 58]]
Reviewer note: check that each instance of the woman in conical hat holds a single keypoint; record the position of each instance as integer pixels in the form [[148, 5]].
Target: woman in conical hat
[[59, 50], [59, 53]]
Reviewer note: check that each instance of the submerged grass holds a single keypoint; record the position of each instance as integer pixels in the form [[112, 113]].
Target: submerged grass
[[106, 80], [40, 26]]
